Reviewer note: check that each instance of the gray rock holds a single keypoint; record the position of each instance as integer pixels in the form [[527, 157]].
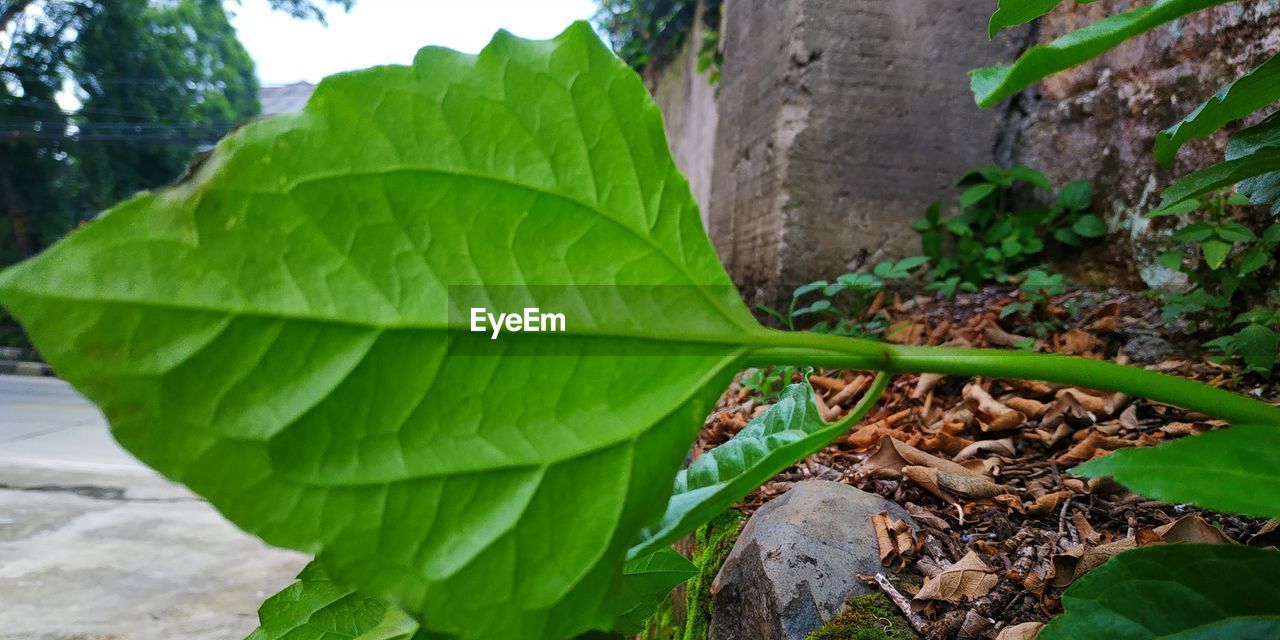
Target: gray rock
[[797, 561], [1145, 347]]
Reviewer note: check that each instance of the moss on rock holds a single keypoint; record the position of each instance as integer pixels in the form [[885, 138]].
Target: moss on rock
[[869, 617]]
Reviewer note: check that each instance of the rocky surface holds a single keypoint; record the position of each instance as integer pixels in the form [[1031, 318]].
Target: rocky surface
[[797, 561], [1099, 120]]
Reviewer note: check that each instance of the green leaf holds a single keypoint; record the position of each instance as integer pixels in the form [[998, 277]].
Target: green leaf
[[973, 195], [1089, 226], [1066, 236], [1076, 195], [1258, 345], [1029, 175], [1215, 252], [646, 581], [1260, 140], [1235, 232], [992, 84], [1179, 208], [1194, 232], [1252, 159], [1232, 470], [1175, 592], [1011, 13], [316, 608], [1171, 259], [1254, 90], [786, 432], [275, 332]]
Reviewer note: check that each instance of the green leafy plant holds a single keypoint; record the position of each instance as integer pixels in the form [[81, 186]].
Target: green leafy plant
[[1226, 262], [276, 333], [768, 382], [650, 32], [844, 304], [1185, 592], [1036, 290], [990, 237], [1252, 159]]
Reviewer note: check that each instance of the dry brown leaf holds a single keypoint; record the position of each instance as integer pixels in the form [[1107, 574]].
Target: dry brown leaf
[[853, 388], [1001, 447], [1034, 387], [1033, 408], [926, 517], [970, 578], [1267, 536], [894, 455], [925, 383], [1089, 402], [999, 337], [941, 482], [905, 332], [1065, 410], [1011, 501], [946, 443], [1191, 528], [1024, 631], [1078, 342], [993, 416], [1048, 503]]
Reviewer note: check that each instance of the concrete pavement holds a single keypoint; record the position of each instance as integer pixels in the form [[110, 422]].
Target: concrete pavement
[[95, 546]]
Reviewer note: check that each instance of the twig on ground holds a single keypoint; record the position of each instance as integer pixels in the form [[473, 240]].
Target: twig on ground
[[918, 623]]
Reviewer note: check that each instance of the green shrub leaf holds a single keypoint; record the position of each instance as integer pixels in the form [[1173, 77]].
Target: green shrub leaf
[[1011, 13], [1090, 226], [789, 430], [645, 582], [1262, 139], [275, 331], [1262, 163], [1175, 592], [992, 84], [1235, 470], [1254, 90], [316, 608]]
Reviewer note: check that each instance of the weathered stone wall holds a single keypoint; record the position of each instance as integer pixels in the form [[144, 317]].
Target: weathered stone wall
[[1099, 120], [688, 103], [840, 121]]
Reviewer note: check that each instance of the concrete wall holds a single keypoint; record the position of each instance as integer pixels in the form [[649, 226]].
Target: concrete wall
[[839, 122], [1099, 120], [688, 102]]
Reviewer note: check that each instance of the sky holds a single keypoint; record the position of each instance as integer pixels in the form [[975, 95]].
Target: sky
[[287, 50]]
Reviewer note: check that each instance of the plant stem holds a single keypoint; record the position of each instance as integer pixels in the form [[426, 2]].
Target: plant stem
[[854, 353]]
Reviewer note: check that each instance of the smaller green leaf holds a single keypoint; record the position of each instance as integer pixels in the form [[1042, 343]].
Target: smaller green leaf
[[1175, 592], [1195, 232], [805, 289], [1171, 259], [907, 265], [1257, 346], [1029, 175], [1215, 252], [992, 84], [1234, 470], [316, 608], [646, 581], [1066, 236], [1090, 226], [994, 175], [1235, 232], [1253, 160], [973, 195], [1010, 13], [818, 306], [789, 430], [1076, 195], [1178, 208], [1252, 91]]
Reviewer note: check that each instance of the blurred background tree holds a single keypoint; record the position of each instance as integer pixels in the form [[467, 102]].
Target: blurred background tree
[[148, 81]]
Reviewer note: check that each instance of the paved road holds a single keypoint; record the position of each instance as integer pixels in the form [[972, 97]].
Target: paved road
[[43, 421], [93, 545]]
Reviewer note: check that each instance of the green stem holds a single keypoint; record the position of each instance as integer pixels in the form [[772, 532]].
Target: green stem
[[853, 353]]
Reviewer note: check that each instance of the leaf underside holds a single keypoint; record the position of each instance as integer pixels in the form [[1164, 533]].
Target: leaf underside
[[1254, 90], [275, 332], [1234, 470], [1175, 591], [990, 85], [1252, 161], [789, 430]]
